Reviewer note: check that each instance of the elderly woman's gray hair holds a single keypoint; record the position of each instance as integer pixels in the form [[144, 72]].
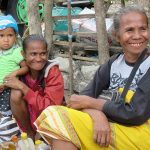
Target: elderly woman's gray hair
[[125, 10]]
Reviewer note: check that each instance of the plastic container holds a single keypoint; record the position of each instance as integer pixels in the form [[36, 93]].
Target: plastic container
[[40, 145], [25, 143], [62, 25], [14, 139], [7, 146]]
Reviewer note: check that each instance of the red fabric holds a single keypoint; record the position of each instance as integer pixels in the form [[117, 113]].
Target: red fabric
[[53, 94]]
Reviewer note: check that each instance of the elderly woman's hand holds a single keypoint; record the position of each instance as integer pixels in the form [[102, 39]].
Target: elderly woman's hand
[[101, 127], [78, 102], [102, 132]]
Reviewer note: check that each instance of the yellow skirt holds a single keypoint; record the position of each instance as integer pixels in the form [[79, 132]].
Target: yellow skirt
[[67, 124]]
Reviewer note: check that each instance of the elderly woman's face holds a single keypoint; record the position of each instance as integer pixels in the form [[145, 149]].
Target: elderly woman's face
[[133, 34], [36, 55]]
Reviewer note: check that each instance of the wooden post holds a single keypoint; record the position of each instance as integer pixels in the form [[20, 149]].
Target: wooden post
[[122, 3], [70, 47], [102, 39], [33, 17], [48, 19]]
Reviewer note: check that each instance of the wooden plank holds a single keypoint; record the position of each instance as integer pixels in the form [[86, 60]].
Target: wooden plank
[[74, 17], [79, 58], [74, 44], [78, 2], [93, 34], [56, 1], [118, 48], [87, 46]]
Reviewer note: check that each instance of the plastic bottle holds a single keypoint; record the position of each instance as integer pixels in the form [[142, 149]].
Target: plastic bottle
[[25, 143], [40, 145], [7, 146], [14, 139]]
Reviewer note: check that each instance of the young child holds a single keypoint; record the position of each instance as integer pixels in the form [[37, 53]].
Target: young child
[[11, 60]]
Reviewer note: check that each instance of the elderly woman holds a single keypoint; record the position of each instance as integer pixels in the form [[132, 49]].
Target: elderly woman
[[108, 119], [41, 87]]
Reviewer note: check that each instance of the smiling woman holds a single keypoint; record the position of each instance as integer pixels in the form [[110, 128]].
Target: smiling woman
[[35, 54], [132, 33], [113, 121], [41, 87]]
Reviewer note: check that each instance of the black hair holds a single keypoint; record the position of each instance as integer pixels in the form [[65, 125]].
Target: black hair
[[125, 10], [33, 37]]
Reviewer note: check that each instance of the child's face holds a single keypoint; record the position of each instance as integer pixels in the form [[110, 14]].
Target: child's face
[[133, 33], [7, 38], [36, 55]]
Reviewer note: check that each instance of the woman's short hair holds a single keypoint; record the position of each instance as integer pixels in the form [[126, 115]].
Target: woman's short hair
[[33, 37], [125, 10]]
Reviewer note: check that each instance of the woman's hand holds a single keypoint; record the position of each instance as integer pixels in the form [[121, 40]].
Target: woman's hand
[[101, 127], [12, 82], [15, 83], [102, 132], [78, 102]]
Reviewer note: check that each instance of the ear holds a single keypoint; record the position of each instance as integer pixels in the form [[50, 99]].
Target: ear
[[116, 36]]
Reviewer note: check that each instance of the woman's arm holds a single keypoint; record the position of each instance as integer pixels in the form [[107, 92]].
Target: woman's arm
[[101, 127], [53, 92], [99, 82], [85, 102], [15, 83], [21, 71], [101, 79], [134, 113]]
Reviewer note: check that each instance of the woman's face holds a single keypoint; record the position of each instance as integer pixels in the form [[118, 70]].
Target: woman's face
[[36, 55], [133, 34]]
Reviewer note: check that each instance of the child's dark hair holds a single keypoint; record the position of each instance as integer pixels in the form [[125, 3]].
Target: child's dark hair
[[33, 37]]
